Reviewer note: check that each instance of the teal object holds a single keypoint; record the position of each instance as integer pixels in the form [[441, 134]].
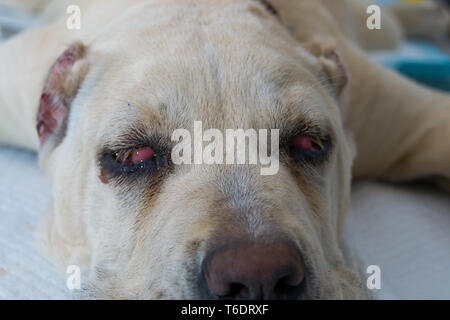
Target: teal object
[[434, 75], [385, 2], [420, 61]]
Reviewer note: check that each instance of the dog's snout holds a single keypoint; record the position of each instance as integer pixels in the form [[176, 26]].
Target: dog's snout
[[254, 271]]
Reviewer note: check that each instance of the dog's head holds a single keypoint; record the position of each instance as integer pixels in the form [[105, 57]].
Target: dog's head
[[142, 226]]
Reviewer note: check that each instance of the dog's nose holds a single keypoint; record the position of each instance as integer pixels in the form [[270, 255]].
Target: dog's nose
[[254, 271]]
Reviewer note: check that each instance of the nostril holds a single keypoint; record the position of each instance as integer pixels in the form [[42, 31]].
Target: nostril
[[235, 290], [287, 289], [254, 271]]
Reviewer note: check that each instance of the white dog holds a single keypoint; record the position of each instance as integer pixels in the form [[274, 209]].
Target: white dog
[[141, 226]]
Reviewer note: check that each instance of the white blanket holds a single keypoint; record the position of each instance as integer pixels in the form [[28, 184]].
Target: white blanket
[[404, 230], [24, 194]]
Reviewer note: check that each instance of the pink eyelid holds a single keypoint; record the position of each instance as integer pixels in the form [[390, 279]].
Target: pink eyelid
[[137, 156], [305, 143], [142, 155]]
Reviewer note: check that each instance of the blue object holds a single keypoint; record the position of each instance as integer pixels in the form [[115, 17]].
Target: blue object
[[386, 2], [420, 61]]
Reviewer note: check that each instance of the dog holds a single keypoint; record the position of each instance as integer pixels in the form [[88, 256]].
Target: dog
[[101, 103]]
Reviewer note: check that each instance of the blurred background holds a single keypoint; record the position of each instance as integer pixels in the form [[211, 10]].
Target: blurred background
[[12, 21], [427, 62]]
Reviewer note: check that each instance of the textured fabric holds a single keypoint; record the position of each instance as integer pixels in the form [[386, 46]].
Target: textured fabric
[[24, 194], [404, 230]]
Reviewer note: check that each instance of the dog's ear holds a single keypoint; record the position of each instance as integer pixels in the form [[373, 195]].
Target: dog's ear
[[61, 87], [329, 62]]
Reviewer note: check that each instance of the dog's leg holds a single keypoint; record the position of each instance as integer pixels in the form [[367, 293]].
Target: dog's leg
[[401, 129], [25, 61]]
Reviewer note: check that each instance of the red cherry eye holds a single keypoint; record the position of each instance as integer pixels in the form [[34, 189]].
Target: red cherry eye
[[142, 155], [136, 156], [306, 143]]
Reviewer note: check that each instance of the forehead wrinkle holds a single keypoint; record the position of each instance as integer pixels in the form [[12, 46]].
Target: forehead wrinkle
[[302, 106], [304, 122], [194, 91], [260, 98], [289, 108], [140, 126], [215, 73]]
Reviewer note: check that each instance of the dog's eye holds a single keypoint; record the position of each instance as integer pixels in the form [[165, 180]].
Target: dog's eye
[[309, 149], [129, 163]]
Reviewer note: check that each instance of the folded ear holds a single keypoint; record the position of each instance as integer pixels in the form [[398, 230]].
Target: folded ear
[[330, 63], [61, 87]]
